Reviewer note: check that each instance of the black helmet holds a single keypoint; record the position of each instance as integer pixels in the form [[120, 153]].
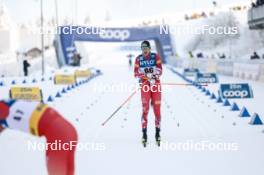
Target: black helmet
[[145, 44]]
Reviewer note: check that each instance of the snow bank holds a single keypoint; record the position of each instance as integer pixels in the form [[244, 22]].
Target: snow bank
[[240, 45]]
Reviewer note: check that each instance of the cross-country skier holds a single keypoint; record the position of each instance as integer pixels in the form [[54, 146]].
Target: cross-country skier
[[148, 68], [41, 120]]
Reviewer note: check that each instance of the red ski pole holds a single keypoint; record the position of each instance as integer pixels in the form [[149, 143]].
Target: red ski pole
[[112, 115]]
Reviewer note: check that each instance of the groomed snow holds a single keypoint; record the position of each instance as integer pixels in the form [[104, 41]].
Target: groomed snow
[[188, 116]]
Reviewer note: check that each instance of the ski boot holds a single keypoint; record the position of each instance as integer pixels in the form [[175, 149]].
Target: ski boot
[[144, 137], [157, 136]]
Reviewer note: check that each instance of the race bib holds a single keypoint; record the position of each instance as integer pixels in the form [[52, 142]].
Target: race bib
[[20, 114]]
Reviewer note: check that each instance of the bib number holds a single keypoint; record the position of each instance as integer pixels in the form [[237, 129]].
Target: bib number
[[149, 70]]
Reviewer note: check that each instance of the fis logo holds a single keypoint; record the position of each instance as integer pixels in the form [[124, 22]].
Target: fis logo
[[236, 91], [115, 34]]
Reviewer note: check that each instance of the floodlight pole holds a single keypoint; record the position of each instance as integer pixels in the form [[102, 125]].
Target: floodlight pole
[[42, 37]]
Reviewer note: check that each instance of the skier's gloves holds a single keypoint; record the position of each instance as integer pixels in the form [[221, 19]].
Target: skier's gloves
[[156, 77], [149, 75]]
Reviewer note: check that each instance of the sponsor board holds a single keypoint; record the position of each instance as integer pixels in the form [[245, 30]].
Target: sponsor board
[[83, 73], [236, 91], [26, 93], [190, 71], [64, 79], [206, 78]]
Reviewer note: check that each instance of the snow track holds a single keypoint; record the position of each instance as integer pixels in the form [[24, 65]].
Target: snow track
[[188, 117]]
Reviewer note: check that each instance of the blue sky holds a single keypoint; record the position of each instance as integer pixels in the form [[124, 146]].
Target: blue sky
[[23, 10]]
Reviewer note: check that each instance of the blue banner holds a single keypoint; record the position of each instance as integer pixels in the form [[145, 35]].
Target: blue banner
[[236, 91], [206, 78], [66, 49], [190, 71]]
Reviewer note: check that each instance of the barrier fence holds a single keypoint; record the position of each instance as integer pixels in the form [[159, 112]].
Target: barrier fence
[[243, 69]]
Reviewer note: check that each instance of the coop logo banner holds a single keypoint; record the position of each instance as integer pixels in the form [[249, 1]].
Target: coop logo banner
[[236, 91], [115, 34], [206, 78], [190, 72], [26, 93]]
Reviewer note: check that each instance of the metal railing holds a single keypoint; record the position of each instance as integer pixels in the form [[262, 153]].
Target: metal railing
[[256, 17]]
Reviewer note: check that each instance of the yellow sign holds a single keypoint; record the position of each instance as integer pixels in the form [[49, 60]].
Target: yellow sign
[[64, 79], [26, 93], [82, 73]]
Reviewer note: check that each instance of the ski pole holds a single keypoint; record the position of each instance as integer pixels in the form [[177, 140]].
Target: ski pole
[[129, 98], [181, 84], [112, 115]]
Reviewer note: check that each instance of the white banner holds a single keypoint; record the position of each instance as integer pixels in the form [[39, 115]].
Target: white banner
[[246, 71]]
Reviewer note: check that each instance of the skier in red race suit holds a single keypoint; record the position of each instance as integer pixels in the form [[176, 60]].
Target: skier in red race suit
[[148, 68], [41, 120]]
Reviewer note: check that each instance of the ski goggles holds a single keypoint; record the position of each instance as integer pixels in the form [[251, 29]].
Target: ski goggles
[[145, 47]]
